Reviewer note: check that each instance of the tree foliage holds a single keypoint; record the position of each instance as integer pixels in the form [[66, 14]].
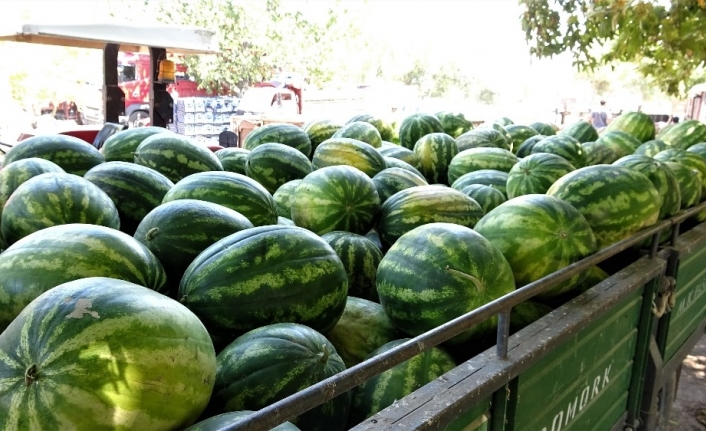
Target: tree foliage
[[666, 39]]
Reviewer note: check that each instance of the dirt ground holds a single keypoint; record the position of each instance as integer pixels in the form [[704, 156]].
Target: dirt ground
[[689, 409]]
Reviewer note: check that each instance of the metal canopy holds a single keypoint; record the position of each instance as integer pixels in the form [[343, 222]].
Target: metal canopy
[[130, 37]]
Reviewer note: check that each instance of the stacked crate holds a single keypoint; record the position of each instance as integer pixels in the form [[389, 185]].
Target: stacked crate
[[203, 118]]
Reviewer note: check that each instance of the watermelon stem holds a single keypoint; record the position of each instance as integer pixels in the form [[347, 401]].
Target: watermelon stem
[[476, 282], [31, 375], [151, 233], [323, 356]]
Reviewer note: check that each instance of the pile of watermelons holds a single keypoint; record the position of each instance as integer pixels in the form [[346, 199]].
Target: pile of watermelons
[[155, 284]]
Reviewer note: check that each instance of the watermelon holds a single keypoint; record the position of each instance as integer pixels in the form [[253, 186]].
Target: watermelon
[[335, 198], [582, 131], [349, 152], [454, 123], [383, 127], [54, 199], [361, 131], [519, 133], [283, 198], [362, 328], [525, 148], [320, 130], [538, 235], [64, 253], [690, 190], [598, 154], [360, 258], [435, 152], [301, 357], [100, 353], [393, 180], [499, 127], [482, 138], [486, 196], [421, 205], [437, 272], [564, 146], [475, 159], [121, 146], [280, 133], [391, 162], [622, 144], [176, 232], [233, 159], [73, 155], [637, 124], [615, 200], [543, 128], [690, 160], [275, 164], [527, 312], [661, 177], [685, 134], [536, 173], [396, 383], [401, 153], [135, 190], [12, 176], [488, 177], [266, 275], [231, 190], [415, 126], [176, 156], [699, 149], [504, 121], [220, 422]]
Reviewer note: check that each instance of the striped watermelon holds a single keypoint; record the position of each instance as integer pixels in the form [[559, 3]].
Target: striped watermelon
[[538, 235], [12, 176], [349, 152], [454, 123], [391, 162], [386, 131], [699, 149], [475, 159], [283, 198], [637, 124], [690, 160], [320, 130], [401, 153], [582, 131], [121, 146], [270, 363], [361, 131], [543, 128], [233, 159], [440, 271], [482, 138], [598, 154], [421, 205], [392, 180], [360, 258], [280, 133], [64, 253], [415, 126], [689, 184], [536, 173], [651, 148], [104, 354], [435, 152], [362, 328], [220, 422], [519, 133], [396, 383], [564, 146], [71, 154], [486, 196], [499, 127], [266, 275], [176, 156], [488, 177], [661, 177], [54, 199], [275, 164], [616, 201], [622, 144], [525, 148], [176, 232], [335, 198], [135, 190], [685, 134], [231, 190]]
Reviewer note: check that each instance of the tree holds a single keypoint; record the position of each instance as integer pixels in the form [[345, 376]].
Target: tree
[[666, 39]]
